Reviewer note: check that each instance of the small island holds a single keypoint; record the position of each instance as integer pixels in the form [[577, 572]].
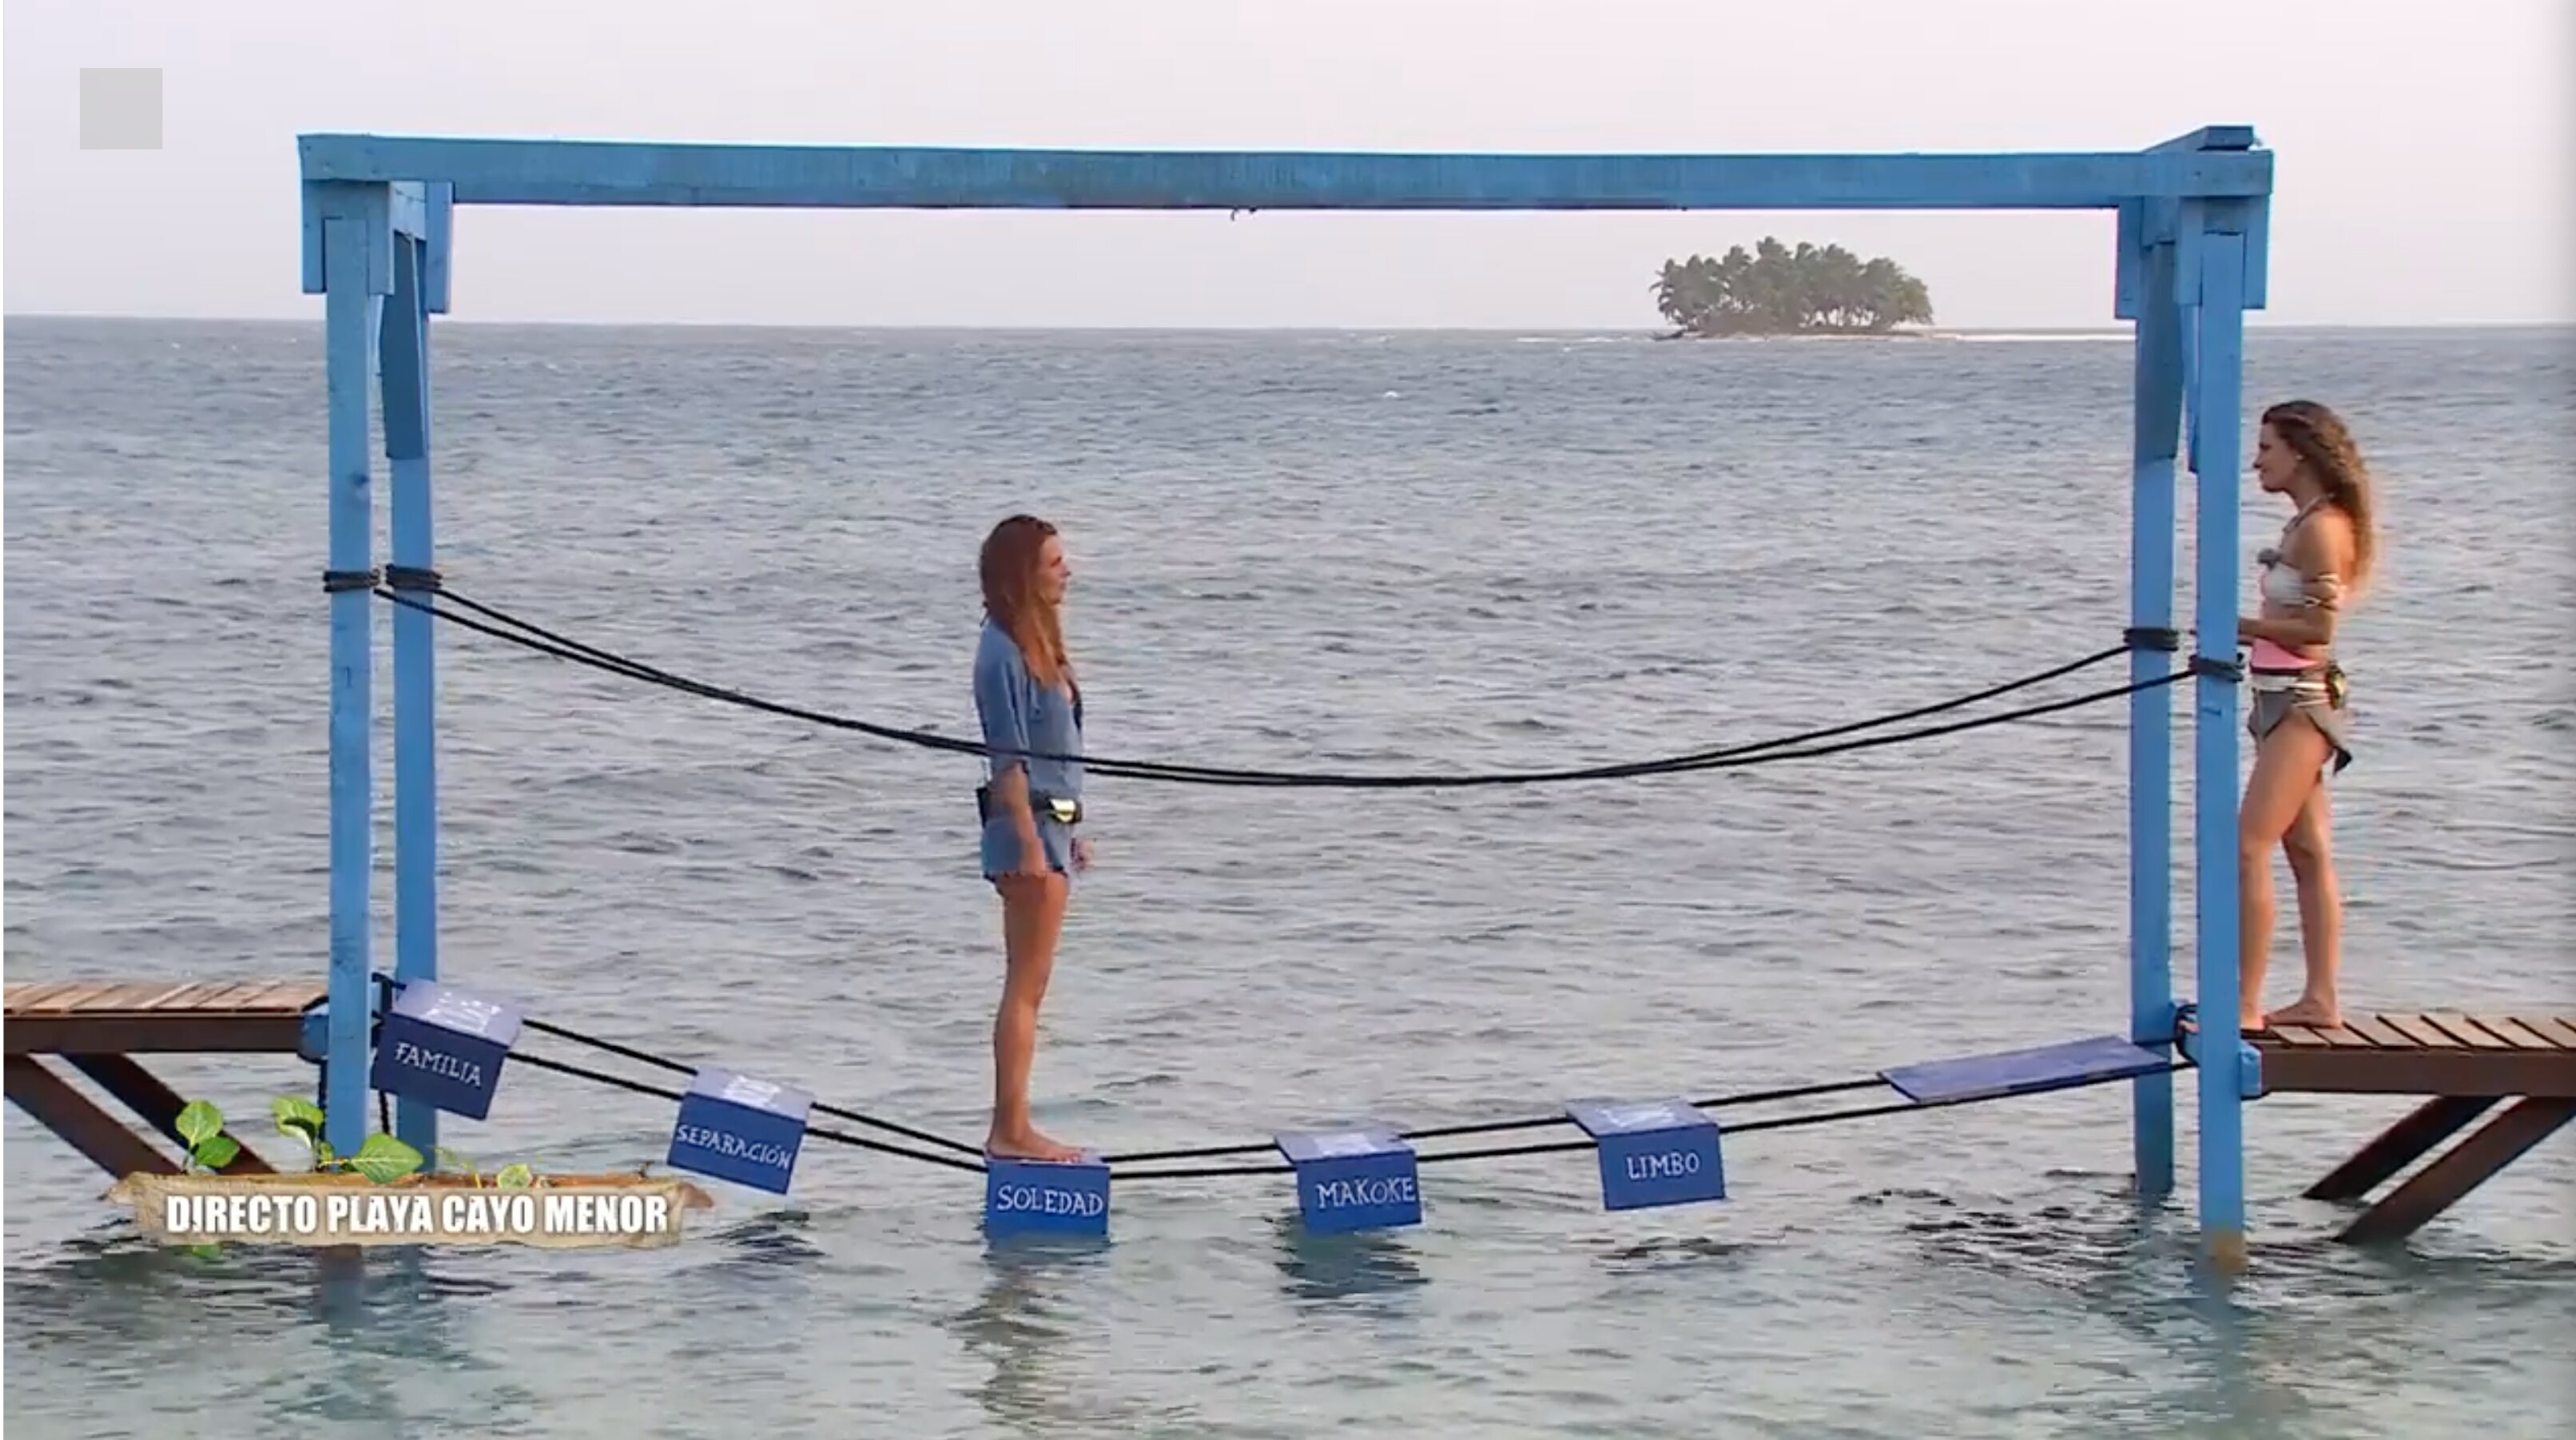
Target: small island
[[1779, 291]]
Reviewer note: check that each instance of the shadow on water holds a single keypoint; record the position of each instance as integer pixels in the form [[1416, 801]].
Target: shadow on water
[[1020, 1326], [2301, 1339], [1361, 1264], [299, 1335], [762, 1247]]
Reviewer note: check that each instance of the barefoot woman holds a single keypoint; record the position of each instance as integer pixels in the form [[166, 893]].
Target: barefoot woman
[[2296, 706], [1027, 699]]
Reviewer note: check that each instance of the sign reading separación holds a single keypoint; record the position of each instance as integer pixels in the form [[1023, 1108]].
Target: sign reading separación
[[585, 1211]]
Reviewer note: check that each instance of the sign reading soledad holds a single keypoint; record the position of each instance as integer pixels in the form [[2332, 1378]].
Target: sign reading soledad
[[379, 1197]]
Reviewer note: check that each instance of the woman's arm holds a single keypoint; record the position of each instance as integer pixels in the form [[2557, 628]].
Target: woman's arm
[[1004, 702]]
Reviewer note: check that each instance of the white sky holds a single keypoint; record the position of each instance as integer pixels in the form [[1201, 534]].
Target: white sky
[[2425, 152]]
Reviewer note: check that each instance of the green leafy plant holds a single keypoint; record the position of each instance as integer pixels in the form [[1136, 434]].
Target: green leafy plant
[[380, 1157], [209, 1148]]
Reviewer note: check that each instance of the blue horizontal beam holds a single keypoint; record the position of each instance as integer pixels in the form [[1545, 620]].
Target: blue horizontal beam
[[587, 172]]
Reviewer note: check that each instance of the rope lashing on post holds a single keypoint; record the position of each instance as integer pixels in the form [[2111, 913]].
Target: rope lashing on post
[[1802, 745]]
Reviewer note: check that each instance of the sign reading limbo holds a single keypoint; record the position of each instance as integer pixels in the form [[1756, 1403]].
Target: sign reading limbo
[[1659, 1152]]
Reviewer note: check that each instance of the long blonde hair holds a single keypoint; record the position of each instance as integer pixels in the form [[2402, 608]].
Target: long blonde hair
[[1009, 567], [2325, 446]]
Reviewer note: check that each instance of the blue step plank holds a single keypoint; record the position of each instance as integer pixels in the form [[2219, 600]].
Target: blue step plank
[[2023, 1072]]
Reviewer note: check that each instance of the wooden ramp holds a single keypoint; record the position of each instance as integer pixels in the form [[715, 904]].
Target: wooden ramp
[[97, 1026], [2468, 1065]]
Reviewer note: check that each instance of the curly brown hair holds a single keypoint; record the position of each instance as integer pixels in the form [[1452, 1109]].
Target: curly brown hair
[[2325, 446]]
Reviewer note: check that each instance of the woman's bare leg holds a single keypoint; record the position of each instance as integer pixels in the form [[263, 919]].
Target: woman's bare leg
[[2310, 848], [2287, 765], [1032, 919]]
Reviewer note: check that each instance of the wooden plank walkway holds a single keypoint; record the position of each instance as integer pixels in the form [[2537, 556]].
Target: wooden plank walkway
[[126, 1017], [97, 1025], [2468, 1064], [2434, 1053]]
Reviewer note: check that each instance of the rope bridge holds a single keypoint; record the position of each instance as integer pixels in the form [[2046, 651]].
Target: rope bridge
[[444, 1046]]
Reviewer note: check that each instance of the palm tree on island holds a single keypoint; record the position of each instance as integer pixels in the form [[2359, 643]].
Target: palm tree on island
[[1779, 291]]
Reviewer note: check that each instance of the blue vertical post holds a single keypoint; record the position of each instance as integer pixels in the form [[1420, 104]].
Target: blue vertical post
[[2216, 443], [405, 350], [2157, 398], [353, 250]]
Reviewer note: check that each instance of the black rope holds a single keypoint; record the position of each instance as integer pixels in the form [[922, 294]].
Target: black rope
[[389, 986], [836, 1136], [679, 1067], [1761, 752], [1559, 1147], [1497, 1127]]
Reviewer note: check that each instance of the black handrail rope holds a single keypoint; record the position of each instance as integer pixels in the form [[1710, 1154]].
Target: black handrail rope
[[1761, 752], [639, 670], [680, 1067], [1557, 1147], [392, 984], [819, 1133], [1495, 1127], [1200, 1152]]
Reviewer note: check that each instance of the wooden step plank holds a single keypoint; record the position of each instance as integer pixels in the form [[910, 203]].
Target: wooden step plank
[[2549, 1028], [2423, 1033], [250, 997], [2379, 1032], [214, 997], [2343, 1037], [2505, 1028], [30, 994], [63, 1001], [2300, 1037], [288, 997], [123, 995], [228, 1001], [178, 997], [2465, 1030]]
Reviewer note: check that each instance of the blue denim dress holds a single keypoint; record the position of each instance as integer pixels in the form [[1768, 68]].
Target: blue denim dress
[[1019, 714]]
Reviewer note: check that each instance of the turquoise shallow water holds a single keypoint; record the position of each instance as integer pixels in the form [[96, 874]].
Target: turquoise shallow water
[[1354, 551]]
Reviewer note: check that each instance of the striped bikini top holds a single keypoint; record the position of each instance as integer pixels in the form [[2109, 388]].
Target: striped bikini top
[[2279, 582]]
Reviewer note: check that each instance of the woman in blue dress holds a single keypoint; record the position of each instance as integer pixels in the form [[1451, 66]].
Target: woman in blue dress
[[1030, 707]]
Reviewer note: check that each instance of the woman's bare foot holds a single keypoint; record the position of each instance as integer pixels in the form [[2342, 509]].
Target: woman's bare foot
[[1028, 1144], [2249, 1022], [2311, 1012]]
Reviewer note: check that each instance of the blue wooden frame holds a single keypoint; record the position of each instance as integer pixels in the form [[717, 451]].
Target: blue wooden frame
[[2192, 226]]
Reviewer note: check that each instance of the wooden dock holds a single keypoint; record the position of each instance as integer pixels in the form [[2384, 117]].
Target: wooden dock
[[98, 1026], [2466, 1065]]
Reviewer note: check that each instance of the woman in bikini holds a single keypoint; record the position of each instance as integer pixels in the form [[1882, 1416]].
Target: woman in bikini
[[1028, 701], [2296, 709]]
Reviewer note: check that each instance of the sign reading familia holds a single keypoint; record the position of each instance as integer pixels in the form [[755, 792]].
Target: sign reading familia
[[444, 1047], [314, 1211]]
